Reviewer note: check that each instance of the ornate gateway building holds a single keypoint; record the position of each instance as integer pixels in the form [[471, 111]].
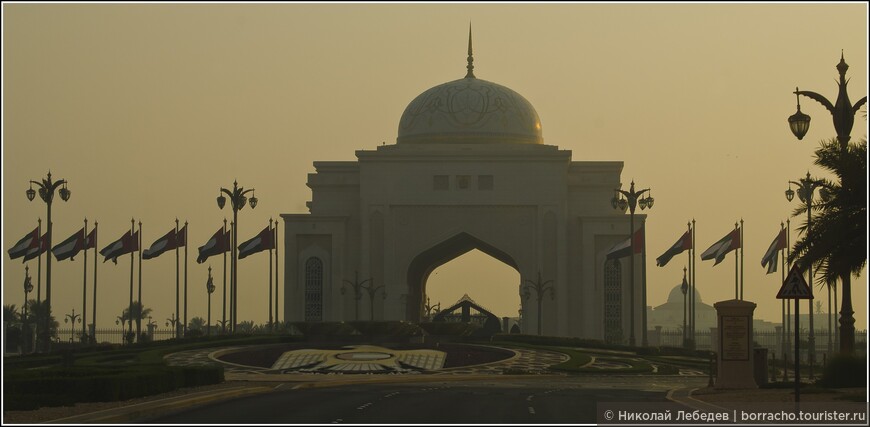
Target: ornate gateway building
[[469, 170]]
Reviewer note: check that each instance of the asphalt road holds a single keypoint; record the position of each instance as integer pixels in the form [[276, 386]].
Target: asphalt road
[[537, 400]]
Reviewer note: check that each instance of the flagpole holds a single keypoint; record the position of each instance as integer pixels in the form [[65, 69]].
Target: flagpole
[[224, 322], [141, 306], [232, 277], [736, 272], [687, 335], [787, 265], [130, 308], [85, 287], [185, 278], [270, 275], [276, 271], [644, 341], [784, 319], [694, 269], [177, 284], [742, 257], [39, 262], [94, 316]]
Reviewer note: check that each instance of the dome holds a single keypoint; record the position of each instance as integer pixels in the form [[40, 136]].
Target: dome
[[470, 110], [676, 295]]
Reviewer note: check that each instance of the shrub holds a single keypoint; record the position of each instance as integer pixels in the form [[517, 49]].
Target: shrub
[[845, 370], [388, 328], [325, 328], [449, 328]]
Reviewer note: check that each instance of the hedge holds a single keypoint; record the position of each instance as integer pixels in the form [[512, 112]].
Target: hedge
[[845, 370], [54, 386]]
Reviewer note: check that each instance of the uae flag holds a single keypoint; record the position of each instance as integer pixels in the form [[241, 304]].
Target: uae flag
[[770, 257], [623, 248], [259, 243], [91, 240], [721, 248], [181, 238], [37, 249], [29, 241], [683, 243], [163, 244], [70, 247], [128, 243], [218, 244]]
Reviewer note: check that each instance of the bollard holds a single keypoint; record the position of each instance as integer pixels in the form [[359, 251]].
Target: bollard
[[773, 371], [710, 382], [785, 369]]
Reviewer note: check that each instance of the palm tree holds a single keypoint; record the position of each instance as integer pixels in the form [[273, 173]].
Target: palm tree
[[10, 313], [139, 313], [838, 245], [36, 312], [196, 324]]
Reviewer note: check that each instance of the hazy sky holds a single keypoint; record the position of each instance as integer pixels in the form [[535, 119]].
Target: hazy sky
[[148, 109]]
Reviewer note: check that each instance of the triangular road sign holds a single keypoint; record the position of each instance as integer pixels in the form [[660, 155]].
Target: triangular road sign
[[794, 286]]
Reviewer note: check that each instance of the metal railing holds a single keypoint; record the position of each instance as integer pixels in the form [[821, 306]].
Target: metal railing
[[770, 339]]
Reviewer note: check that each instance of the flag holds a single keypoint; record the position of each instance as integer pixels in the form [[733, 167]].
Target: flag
[[27, 242], [182, 236], [770, 257], [37, 249], [91, 240], [623, 248], [721, 248], [70, 247], [683, 243], [128, 243], [258, 243], [218, 244], [163, 244]]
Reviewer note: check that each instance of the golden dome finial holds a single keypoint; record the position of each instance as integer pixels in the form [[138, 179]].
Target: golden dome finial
[[470, 66]]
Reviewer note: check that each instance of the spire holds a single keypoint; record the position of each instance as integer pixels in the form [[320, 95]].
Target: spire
[[470, 66], [842, 66]]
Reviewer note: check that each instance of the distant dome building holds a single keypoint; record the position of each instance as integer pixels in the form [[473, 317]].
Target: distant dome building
[[469, 170], [670, 314]]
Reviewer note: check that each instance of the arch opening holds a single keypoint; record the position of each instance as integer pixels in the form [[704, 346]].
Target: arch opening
[[424, 264]]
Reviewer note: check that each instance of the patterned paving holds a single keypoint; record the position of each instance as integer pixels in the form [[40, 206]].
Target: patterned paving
[[526, 361], [360, 359], [203, 358]]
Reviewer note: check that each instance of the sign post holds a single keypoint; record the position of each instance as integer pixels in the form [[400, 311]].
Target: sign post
[[795, 287]]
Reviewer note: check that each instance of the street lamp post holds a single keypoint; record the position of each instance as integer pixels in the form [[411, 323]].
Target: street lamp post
[[357, 288], [72, 318], [238, 201], [684, 288], [120, 320], [172, 320], [25, 331], [540, 287], [431, 309], [46, 193], [843, 115], [209, 286], [805, 189], [631, 201]]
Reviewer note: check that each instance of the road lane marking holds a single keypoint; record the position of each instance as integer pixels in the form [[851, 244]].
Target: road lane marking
[[531, 410]]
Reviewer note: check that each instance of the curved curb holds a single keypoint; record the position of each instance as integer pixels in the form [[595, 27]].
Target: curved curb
[[509, 359], [691, 402], [159, 407]]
